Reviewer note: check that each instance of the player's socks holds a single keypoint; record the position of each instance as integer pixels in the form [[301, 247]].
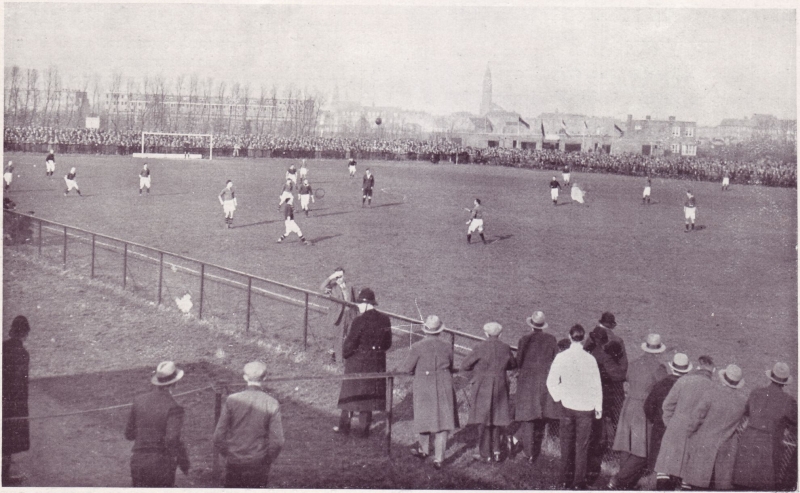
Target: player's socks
[[687, 227], [281, 239], [148, 191], [469, 238], [482, 238], [140, 191], [79, 193], [692, 226]]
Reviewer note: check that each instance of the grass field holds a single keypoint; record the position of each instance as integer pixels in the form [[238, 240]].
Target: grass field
[[728, 289]]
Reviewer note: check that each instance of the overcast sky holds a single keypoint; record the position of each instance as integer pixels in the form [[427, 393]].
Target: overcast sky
[[696, 64]]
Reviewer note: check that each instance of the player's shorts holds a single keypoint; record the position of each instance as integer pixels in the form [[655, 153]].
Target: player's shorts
[[292, 227], [726, 181], [689, 213], [577, 195], [228, 206], [303, 173], [553, 194], [7, 177], [304, 200], [646, 192], [352, 169], [144, 181], [286, 195], [565, 176], [71, 184], [50, 166], [368, 192], [475, 225], [292, 177]]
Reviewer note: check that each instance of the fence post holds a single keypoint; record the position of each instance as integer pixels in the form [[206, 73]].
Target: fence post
[[389, 405], [453, 342], [411, 335], [64, 256], [40, 237], [160, 274], [305, 325], [202, 282], [125, 266], [249, 291], [218, 390], [93, 241]]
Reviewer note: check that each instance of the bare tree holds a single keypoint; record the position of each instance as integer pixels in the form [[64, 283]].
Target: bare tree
[[218, 117], [233, 108], [206, 108], [179, 86], [131, 90], [190, 118], [245, 94], [13, 82], [273, 114], [31, 95], [114, 99]]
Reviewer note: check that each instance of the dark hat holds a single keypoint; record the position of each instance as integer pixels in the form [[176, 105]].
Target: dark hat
[[780, 374], [366, 296], [599, 335], [607, 320], [19, 327]]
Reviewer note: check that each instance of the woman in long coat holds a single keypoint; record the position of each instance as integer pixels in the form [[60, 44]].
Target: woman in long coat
[[533, 404], [364, 351], [431, 362], [770, 411], [489, 408], [16, 360]]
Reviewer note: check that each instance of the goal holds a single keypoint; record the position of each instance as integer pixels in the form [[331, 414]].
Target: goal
[[165, 145]]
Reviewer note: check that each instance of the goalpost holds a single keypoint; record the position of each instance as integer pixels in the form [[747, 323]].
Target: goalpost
[[181, 155]]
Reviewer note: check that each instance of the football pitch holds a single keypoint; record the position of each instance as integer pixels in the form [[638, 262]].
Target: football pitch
[[727, 289]]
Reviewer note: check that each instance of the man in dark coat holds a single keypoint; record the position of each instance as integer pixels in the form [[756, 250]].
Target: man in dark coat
[[634, 432], [364, 351], [770, 411], [155, 426], [533, 404], [489, 401], [340, 316], [16, 432], [435, 413]]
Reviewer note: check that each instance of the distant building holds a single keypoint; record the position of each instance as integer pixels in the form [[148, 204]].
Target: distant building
[[759, 126], [657, 137]]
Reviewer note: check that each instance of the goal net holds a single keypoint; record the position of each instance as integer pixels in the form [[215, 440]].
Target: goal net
[[176, 146]]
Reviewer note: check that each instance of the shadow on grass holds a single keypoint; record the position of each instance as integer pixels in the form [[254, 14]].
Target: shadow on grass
[[385, 205], [499, 238], [323, 238], [12, 191], [334, 213], [257, 223]]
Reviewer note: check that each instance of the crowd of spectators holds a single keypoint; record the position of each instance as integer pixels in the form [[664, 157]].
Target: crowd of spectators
[[754, 162]]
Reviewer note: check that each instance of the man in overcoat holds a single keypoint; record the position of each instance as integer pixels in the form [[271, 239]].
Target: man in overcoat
[[677, 414], [435, 414], [770, 411], [679, 366], [16, 432], [489, 400], [711, 449], [364, 351], [155, 424], [633, 434], [340, 316], [533, 405]]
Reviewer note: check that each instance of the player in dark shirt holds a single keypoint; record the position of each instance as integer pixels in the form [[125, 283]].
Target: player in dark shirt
[[69, 178], [366, 188], [351, 167], [50, 164], [144, 179], [306, 195], [689, 210], [555, 186], [291, 227]]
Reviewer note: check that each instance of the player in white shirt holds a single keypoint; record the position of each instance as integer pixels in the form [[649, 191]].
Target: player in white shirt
[[8, 175], [144, 179], [646, 193], [69, 178], [303, 172], [227, 197]]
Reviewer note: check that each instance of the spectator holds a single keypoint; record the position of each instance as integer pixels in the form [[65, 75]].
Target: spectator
[[770, 412], [677, 414], [435, 413], [634, 433], [364, 351], [16, 429], [574, 381], [249, 432], [340, 315], [155, 424], [489, 401], [711, 449], [533, 405]]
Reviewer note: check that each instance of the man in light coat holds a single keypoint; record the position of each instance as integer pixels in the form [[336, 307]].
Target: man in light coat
[[340, 316], [677, 414], [435, 414], [633, 435], [711, 449], [574, 381]]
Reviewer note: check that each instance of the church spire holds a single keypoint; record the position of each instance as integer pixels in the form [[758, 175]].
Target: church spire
[[486, 100]]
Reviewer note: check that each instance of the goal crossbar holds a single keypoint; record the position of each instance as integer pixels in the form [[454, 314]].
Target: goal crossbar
[[210, 137]]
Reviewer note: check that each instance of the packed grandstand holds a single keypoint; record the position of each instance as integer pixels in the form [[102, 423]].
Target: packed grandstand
[[758, 162]]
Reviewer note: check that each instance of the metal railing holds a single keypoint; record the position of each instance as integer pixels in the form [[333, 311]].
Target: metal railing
[[150, 271]]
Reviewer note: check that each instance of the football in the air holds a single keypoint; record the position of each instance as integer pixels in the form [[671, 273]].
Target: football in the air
[[378, 121]]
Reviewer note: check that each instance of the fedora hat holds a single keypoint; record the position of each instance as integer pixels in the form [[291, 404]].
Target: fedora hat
[[366, 295], [536, 320], [780, 373], [607, 320], [254, 371], [680, 363], [166, 373], [653, 344], [732, 377], [432, 325], [492, 329]]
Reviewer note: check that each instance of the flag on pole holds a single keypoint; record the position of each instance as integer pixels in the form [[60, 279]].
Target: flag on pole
[[523, 122], [542, 129], [564, 126], [585, 127], [621, 132]]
